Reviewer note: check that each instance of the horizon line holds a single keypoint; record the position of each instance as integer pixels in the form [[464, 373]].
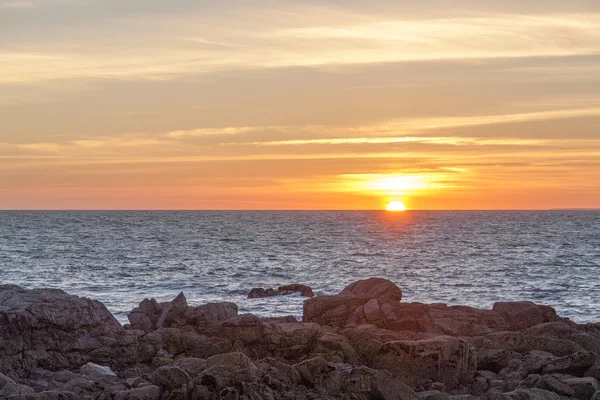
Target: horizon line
[[294, 210]]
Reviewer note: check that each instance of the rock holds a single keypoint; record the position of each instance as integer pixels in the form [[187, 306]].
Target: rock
[[593, 371], [445, 359], [55, 395], [65, 376], [259, 293], [210, 313], [169, 377], [465, 321], [50, 329], [191, 365], [521, 342], [80, 385], [229, 393], [360, 344], [514, 371], [433, 395], [339, 345], [310, 369], [584, 388], [574, 364], [149, 392], [525, 314], [332, 310], [341, 310], [589, 339], [596, 396], [494, 394], [535, 360], [233, 367], [495, 359], [4, 380], [172, 312], [151, 315], [145, 316], [386, 387], [351, 382], [304, 290], [12, 389], [373, 301], [532, 394], [548, 382], [480, 385], [96, 371], [374, 288]]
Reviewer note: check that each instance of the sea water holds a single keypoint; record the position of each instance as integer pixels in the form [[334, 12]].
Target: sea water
[[457, 257]]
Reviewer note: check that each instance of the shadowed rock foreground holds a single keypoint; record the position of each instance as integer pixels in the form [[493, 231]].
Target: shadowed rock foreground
[[361, 344]]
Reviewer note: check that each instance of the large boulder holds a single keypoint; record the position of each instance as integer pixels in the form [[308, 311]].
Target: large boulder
[[374, 288], [371, 301], [51, 329], [525, 314]]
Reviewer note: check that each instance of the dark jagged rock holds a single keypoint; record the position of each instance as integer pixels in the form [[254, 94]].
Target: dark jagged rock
[[50, 329], [151, 315], [360, 344]]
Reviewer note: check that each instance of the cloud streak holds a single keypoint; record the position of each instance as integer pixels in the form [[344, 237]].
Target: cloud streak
[[241, 44]]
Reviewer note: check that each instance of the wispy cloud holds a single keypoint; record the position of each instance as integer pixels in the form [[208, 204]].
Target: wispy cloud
[[349, 41], [16, 4], [455, 141]]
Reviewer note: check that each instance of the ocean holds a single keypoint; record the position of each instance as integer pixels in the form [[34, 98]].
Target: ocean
[[457, 257]]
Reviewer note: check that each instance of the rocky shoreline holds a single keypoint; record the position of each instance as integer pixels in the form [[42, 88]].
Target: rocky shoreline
[[363, 343]]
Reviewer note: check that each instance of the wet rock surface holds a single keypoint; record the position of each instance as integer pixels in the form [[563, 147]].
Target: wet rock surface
[[363, 343], [303, 290]]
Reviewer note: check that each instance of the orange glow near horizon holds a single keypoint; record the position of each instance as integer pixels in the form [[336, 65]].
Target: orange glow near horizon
[[323, 105]]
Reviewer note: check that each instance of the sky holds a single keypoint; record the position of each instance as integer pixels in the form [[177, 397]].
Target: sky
[[148, 104]]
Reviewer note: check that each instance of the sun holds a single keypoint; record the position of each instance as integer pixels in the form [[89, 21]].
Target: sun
[[395, 206]]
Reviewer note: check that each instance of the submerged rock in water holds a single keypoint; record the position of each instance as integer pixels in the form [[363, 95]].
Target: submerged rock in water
[[259, 293], [304, 290]]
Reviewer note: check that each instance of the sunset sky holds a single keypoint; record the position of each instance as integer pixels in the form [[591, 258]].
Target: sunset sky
[[154, 104]]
